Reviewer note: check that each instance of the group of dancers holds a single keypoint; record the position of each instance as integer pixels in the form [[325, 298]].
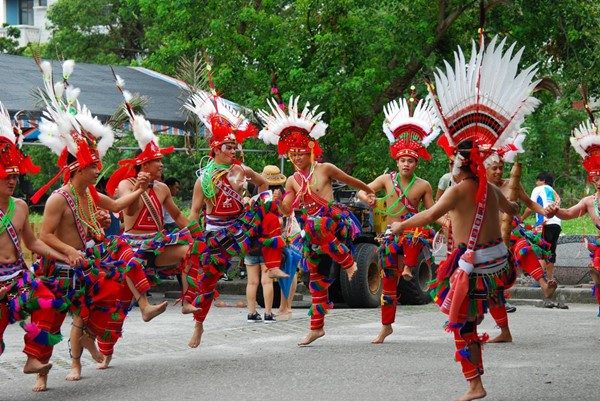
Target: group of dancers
[[475, 111]]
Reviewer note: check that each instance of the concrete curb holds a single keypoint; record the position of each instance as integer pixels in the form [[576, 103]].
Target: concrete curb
[[580, 294]]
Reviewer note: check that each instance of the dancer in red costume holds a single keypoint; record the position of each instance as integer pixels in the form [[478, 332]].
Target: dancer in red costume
[[159, 249], [410, 129], [523, 248], [328, 228], [586, 141], [19, 290], [481, 102], [73, 225], [230, 224]]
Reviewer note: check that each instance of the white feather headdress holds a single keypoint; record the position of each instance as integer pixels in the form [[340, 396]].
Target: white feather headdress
[[410, 132], [223, 123], [65, 122], [586, 142], [292, 129], [484, 98]]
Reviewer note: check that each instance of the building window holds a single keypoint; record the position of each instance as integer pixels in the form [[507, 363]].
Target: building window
[[26, 12], [43, 3]]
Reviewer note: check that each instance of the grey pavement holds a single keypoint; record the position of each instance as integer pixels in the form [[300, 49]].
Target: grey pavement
[[554, 357]]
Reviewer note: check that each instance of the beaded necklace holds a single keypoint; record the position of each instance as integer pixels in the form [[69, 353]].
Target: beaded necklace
[[389, 211], [92, 224], [7, 218]]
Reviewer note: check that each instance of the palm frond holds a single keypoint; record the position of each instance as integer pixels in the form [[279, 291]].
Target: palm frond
[[120, 116]]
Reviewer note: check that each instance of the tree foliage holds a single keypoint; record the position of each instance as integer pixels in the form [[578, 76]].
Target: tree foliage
[[349, 56]]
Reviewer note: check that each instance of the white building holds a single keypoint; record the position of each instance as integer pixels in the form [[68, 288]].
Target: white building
[[27, 15]]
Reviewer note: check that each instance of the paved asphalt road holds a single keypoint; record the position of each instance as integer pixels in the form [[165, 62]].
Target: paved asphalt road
[[554, 357]]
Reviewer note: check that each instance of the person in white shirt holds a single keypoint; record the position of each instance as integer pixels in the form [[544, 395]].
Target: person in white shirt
[[544, 195]]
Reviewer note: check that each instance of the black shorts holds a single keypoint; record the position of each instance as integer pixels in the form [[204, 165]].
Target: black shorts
[[550, 234]]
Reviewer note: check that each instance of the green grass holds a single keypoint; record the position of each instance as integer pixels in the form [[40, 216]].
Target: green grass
[[582, 225]]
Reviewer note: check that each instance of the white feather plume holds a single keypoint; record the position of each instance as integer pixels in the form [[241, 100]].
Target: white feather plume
[[142, 131], [103, 133], [501, 87], [203, 105], [584, 136], [120, 82], [397, 113], [46, 68], [6, 126], [67, 68], [278, 120]]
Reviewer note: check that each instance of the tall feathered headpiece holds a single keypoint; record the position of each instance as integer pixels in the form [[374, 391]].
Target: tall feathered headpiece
[[223, 123], [586, 141], [410, 131], [292, 131], [12, 159], [484, 99], [68, 127], [146, 139]]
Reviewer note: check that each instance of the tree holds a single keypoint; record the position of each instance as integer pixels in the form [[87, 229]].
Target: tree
[[349, 56], [9, 43]]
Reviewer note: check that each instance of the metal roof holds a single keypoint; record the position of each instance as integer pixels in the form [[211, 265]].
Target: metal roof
[[20, 77]]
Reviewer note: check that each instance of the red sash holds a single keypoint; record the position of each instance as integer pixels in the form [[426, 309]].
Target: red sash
[[80, 229], [309, 199], [150, 218], [228, 202], [403, 198]]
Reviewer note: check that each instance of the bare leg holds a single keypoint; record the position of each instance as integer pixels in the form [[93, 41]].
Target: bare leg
[[148, 310], [253, 272], [351, 271], [503, 337], [277, 273], [386, 330], [104, 364], [186, 307], [76, 349], [33, 365], [548, 287], [88, 342], [267, 287], [41, 383], [312, 336], [475, 391], [197, 336], [407, 273]]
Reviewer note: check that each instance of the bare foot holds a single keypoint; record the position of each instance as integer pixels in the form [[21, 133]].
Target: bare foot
[[503, 337], [33, 365], [386, 330], [40, 383], [89, 343], [104, 364], [187, 308], [282, 317], [311, 336], [151, 311], [75, 372], [197, 336], [473, 394], [548, 288], [277, 273], [351, 271]]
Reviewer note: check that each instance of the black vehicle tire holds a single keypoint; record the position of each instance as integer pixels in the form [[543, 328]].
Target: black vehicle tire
[[414, 292], [260, 299], [364, 291]]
